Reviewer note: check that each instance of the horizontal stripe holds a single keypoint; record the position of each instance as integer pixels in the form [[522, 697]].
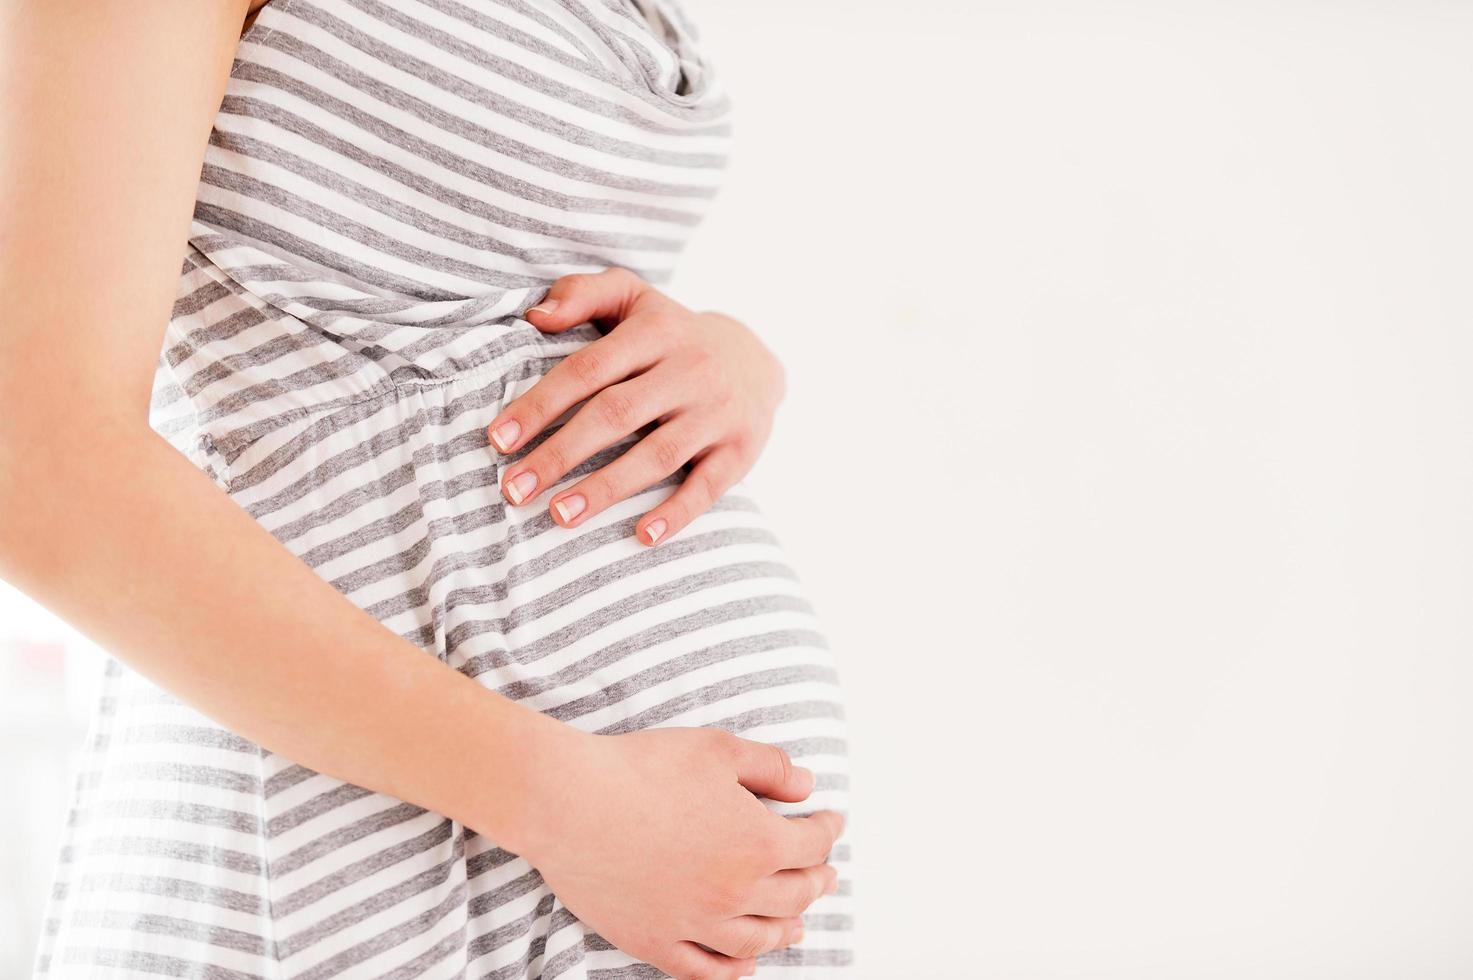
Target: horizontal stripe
[[388, 187]]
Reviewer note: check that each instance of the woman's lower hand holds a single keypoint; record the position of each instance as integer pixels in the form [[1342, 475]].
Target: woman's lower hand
[[709, 382], [656, 841]]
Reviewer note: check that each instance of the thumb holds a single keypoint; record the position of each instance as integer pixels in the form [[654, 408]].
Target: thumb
[[575, 299], [767, 771]]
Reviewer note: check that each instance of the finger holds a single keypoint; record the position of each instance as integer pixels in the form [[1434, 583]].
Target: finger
[[749, 936], [715, 473], [792, 890], [583, 373], [768, 771], [571, 300], [688, 961], [644, 464], [608, 417], [807, 841]]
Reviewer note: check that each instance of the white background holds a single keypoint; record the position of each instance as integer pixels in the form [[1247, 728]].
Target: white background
[[1129, 460]]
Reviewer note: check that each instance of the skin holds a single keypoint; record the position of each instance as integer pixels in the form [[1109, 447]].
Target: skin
[[656, 838], [708, 380]]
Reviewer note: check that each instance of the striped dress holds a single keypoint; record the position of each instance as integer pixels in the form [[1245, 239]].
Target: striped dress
[[389, 185]]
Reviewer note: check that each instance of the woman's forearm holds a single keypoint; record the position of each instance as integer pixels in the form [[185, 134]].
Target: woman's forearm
[[105, 522], [126, 539]]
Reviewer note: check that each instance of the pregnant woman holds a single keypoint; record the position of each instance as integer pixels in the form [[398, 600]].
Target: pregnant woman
[[338, 401]]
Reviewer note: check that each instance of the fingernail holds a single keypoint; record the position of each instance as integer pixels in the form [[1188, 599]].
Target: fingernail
[[520, 487], [831, 887], [795, 935], [655, 529], [806, 777], [505, 434], [546, 306], [570, 506]]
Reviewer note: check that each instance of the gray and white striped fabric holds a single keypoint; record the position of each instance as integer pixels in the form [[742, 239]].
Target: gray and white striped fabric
[[389, 185]]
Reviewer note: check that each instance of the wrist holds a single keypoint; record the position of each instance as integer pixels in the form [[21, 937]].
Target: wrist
[[530, 780]]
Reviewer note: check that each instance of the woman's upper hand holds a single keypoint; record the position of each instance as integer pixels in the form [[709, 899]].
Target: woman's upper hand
[[656, 840], [708, 381]]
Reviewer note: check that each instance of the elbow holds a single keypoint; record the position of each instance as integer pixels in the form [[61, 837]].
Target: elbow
[[55, 471]]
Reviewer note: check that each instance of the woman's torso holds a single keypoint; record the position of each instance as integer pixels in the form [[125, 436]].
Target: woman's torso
[[388, 186]]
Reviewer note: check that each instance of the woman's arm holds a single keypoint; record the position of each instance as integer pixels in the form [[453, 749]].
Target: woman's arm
[[105, 110]]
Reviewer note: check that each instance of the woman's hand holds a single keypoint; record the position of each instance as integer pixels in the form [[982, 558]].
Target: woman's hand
[[655, 840], [708, 380]]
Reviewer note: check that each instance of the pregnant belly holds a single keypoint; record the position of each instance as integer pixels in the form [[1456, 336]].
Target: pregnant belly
[[395, 500], [397, 503]]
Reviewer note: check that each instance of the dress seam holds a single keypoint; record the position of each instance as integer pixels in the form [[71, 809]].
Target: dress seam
[[385, 389], [274, 958]]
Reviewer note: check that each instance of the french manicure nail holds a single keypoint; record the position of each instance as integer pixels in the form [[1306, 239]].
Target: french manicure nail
[[570, 506], [520, 487], [546, 306], [655, 529], [505, 434]]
